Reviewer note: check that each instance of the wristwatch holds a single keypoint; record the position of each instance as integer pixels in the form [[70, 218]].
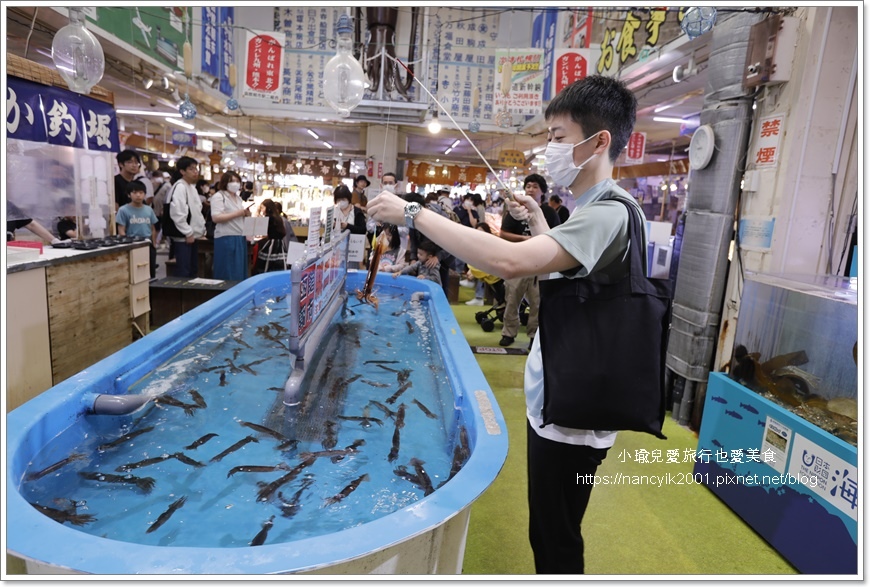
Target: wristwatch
[[411, 211]]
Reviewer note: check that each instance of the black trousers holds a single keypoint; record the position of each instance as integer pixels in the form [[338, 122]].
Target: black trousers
[[558, 495]]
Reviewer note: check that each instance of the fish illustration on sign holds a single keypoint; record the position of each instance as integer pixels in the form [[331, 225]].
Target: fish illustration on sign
[[719, 399], [733, 414], [748, 408]]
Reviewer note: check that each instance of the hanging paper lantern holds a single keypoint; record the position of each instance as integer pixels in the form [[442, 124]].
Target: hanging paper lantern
[[698, 20]]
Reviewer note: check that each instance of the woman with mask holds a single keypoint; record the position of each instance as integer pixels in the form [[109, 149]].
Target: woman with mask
[[228, 212], [347, 217]]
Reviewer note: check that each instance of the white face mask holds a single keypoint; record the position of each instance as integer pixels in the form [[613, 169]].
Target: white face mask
[[390, 187], [560, 161], [233, 187], [343, 204]]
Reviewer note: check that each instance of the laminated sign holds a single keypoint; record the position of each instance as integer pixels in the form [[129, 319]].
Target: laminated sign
[[263, 65]]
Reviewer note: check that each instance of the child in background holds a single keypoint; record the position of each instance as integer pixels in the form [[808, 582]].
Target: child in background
[[393, 259], [137, 219], [426, 250]]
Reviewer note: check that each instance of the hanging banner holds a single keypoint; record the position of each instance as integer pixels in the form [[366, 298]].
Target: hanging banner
[[263, 60], [326, 169], [183, 139], [544, 37], [39, 113], [635, 149], [210, 49], [569, 66], [519, 80], [226, 18]]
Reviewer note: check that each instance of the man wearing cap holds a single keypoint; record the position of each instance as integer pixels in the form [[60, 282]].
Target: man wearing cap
[[358, 195]]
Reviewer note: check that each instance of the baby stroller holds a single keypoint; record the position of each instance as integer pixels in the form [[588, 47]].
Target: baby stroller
[[487, 318]]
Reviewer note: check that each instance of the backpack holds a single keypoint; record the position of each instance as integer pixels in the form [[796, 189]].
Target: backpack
[[166, 222]]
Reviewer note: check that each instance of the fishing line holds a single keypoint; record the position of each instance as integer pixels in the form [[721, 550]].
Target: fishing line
[[508, 191]]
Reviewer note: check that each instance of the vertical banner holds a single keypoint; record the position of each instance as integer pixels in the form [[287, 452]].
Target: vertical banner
[[519, 80], [226, 45], [544, 37], [569, 66], [635, 148], [210, 55], [769, 131], [263, 58]]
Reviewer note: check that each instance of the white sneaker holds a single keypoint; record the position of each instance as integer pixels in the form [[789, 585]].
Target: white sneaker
[[474, 302], [466, 283]]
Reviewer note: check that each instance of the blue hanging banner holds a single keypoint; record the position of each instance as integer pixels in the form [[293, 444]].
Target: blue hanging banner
[[226, 17], [544, 37], [210, 42], [183, 139], [45, 114]]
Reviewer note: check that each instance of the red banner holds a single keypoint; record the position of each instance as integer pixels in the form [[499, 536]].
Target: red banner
[[263, 65], [568, 67], [635, 148]]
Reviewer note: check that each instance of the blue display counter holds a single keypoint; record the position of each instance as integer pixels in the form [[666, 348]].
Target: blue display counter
[[792, 482]]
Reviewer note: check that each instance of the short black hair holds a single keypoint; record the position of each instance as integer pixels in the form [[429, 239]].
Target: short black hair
[[429, 247], [414, 197], [185, 163], [556, 198], [127, 155], [598, 103], [341, 193], [135, 186], [535, 178]]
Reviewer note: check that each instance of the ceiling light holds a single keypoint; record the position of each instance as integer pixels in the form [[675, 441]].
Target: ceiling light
[[148, 82], [447, 152], [148, 113], [456, 142], [435, 125], [327, 145], [669, 119], [180, 123], [165, 82], [312, 133], [209, 133]]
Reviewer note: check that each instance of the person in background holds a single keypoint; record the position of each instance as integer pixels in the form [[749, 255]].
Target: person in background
[[466, 212], [393, 259], [204, 190], [358, 195], [228, 211], [130, 165], [536, 187], [389, 182], [185, 209], [479, 207], [137, 219], [347, 217], [443, 258], [66, 225], [247, 191], [480, 279], [271, 254], [421, 269], [16, 218], [589, 123], [561, 211], [289, 235]]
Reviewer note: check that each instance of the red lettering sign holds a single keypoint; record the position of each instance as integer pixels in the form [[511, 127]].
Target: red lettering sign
[[569, 68], [263, 52]]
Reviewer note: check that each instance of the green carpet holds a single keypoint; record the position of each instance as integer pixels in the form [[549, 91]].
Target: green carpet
[[628, 530]]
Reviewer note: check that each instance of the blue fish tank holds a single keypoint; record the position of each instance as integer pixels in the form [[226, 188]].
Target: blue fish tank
[[779, 433], [301, 422]]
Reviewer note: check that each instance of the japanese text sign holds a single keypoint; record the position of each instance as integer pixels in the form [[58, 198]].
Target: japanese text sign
[[635, 148], [766, 151], [263, 65]]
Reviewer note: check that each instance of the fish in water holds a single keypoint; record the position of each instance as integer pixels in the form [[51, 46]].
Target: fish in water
[[234, 447], [64, 515], [394, 451], [291, 508], [183, 458], [197, 399], [238, 339], [749, 408], [379, 362], [171, 401], [232, 366], [403, 472], [350, 449], [146, 484], [258, 469], [400, 416], [278, 389], [124, 438], [733, 414], [285, 442], [461, 452], [236, 352], [52, 468], [404, 387], [373, 383], [387, 411], [719, 399], [223, 382], [400, 310], [385, 368], [161, 519], [200, 441], [424, 409], [331, 438], [422, 475], [402, 376], [370, 331], [410, 326], [339, 452], [346, 491], [247, 366], [260, 538], [365, 420], [145, 463], [268, 489]]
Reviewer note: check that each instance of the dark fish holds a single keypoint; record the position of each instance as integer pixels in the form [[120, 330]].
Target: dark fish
[[258, 469], [401, 309], [232, 366], [365, 421], [385, 368], [183, 458], [749, 408], [247, 366], [291, 508], [171, 401], [279, 389], [402, 376], [140, 464], [197, 399], [260, 538], [373, 383], [238, 339], [289, 443], [734, 414], [124, 438], [379, 362], [425, 410], [234, 447], [394, 451], [422, 475], [410, 326], [285, 442], [387, 411], [461, 452], [331, 438], [346, 491], [161, 519], [721, 400], [339, 452], [404, 387], [279, 328], [146, 484], [64, 515], [223, 378], [55, 467], [236, 353], [403, 472], [280, 298], [400, 416], [268, 489], [200, 441], [212, 368], [350, 449], [370, 331]]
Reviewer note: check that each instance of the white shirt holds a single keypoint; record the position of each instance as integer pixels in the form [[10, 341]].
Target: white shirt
[[182, 198], [221, 203]]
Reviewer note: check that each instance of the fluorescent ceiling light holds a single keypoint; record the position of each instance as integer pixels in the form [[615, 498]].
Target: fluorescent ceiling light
[[447, 152], [327, 145], [148, 113], [456, 142], [312, 133], [209, 133], [180, 123], [669, 119]]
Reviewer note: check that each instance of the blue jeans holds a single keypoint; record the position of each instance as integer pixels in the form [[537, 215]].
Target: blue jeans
[[186, 262]]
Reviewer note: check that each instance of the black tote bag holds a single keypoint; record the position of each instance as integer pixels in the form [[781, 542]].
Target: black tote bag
[[603, 347]]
